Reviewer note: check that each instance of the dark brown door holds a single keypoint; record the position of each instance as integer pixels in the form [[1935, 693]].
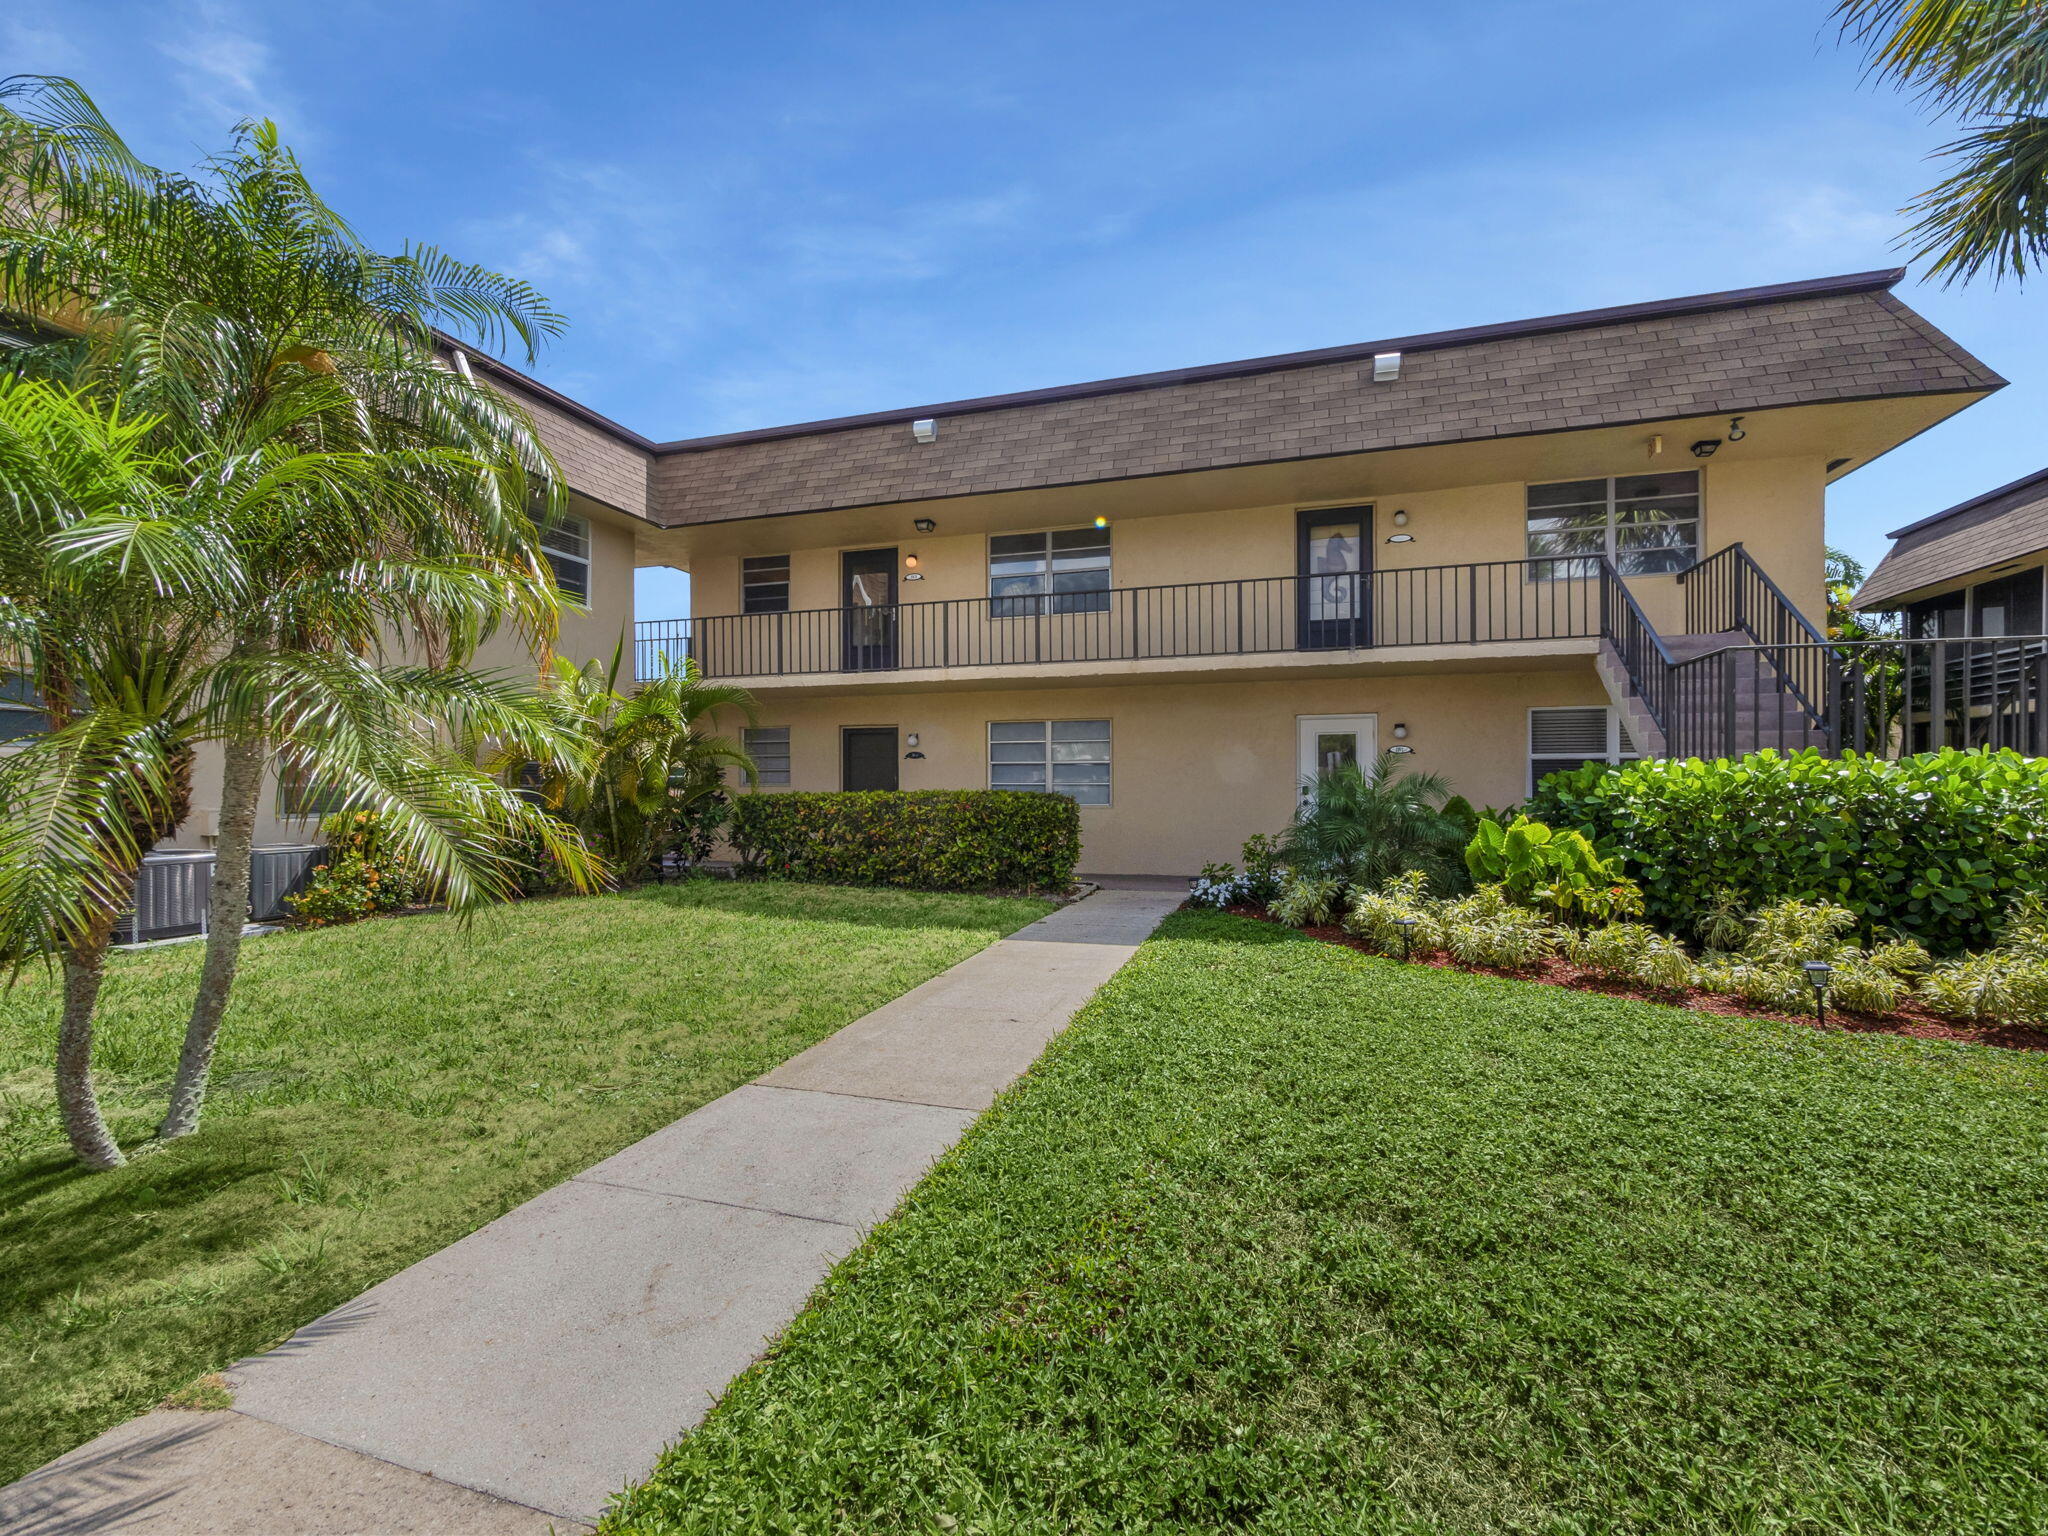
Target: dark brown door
[[867, 757], [868, 595], [1334, 558]]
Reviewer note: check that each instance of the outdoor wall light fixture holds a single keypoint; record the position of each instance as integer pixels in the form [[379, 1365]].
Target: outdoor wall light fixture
[[924, 430], [1400, 732], [1705, 447], [1735, 432], [1407, 927], [1400, 519], [910, 740], [1817, 974], [910, 561], [924, 525], [1102, 522]]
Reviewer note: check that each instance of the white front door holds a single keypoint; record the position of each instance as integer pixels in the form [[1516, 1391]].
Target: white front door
[[1323, 742]]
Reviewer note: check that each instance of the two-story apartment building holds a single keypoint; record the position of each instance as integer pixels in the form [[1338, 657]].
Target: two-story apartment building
[[1174, 596]]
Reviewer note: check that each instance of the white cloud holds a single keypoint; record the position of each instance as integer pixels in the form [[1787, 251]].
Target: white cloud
[[224, 69], [35, 50]]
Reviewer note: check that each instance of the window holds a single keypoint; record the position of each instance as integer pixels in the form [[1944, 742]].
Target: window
[[566, 542], [1648, 525], [1065, 571], [299, 798], [764, 584], [19, 716], [1571, 738], [768, 746], [1068, 757]]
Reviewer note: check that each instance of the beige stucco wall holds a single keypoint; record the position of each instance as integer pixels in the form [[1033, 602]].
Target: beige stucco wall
[[1195, 768], [1773, 506], [586, 632]]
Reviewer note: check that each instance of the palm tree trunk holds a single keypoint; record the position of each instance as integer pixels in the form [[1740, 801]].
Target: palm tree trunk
[[84, 965], [241, 791]]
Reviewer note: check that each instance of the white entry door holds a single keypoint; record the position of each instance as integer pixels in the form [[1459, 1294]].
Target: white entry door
[[1323, 742]]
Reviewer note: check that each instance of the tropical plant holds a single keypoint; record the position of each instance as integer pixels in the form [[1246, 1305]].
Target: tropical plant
[[371, 488], [1561, 872], [2008, 984], [1362, 825], [1396, 919], [1308, 900], [1491, 929], [1985, 62], [1260, 856], [1632, 952], [649, 769], [120, 574], [363, 874]]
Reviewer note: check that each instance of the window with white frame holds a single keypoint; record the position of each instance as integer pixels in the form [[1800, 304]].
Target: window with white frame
[[1648, 525], [1065, 570], [1064, 757], [1571, 738], [21, 714], [565, 540], [768, 746]]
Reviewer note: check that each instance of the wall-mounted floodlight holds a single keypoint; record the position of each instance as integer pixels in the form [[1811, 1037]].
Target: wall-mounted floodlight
[[1386, 367], [924, 525], [925, 430]]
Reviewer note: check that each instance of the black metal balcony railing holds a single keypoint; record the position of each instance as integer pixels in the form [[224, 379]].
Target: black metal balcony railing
[[1503, 600]]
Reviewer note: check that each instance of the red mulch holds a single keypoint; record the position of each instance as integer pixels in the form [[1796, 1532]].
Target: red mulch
[[1911, 1019]]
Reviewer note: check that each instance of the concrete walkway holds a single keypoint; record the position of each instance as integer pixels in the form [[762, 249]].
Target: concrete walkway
[[510, 1383]]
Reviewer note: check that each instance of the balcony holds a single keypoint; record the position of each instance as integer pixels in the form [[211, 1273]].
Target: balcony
[[1445, 605]]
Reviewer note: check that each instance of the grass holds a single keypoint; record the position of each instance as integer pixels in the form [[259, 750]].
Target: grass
[[1282, 1238], [381, 1090]]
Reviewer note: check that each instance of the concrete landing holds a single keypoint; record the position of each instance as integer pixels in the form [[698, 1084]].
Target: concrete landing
[[522, 1375]]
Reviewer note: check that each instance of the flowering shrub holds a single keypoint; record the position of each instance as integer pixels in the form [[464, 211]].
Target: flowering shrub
[[363, 874], [1220, 886]]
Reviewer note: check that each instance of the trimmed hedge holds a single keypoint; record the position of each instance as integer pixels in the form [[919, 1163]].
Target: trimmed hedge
[[1934, 847], [929, 839]]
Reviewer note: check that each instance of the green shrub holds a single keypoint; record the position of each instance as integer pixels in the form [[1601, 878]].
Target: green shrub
[[927, 839], [1373, 917], [1561, 872], [1308, 901], [1932, 847], [2007, 985], [1487, 928], [1262, 867], [1631, 952], [363, 874]]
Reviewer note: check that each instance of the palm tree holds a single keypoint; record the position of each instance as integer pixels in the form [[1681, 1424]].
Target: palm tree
[[1370, 824], [385, 492], [121, 585], [1986, 61], [649, 765]]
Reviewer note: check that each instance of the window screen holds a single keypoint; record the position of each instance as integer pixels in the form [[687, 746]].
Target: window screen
[[1066, 757], [1065, 571], [764, 584], [768, 746], [1571, 738], [1648, 525], [566, 543]]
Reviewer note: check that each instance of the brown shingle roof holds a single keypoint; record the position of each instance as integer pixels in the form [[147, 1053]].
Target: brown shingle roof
[[1793, 345], [1974, 535], [1827, 339]]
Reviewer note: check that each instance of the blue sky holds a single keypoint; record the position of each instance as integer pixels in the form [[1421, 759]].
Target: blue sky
[[767, 213]]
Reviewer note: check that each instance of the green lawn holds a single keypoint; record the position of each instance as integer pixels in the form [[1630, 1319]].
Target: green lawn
[[1281, 1238], [382, 1090]]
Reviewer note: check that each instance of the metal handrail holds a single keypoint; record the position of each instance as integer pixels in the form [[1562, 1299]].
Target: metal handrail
[[1475, 603]]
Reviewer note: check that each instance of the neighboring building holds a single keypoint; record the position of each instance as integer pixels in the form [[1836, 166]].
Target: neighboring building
[[1174, 595], [1978, 569]]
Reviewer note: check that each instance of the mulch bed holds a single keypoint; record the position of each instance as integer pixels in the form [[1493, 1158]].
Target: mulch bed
[[1910, 1020]]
